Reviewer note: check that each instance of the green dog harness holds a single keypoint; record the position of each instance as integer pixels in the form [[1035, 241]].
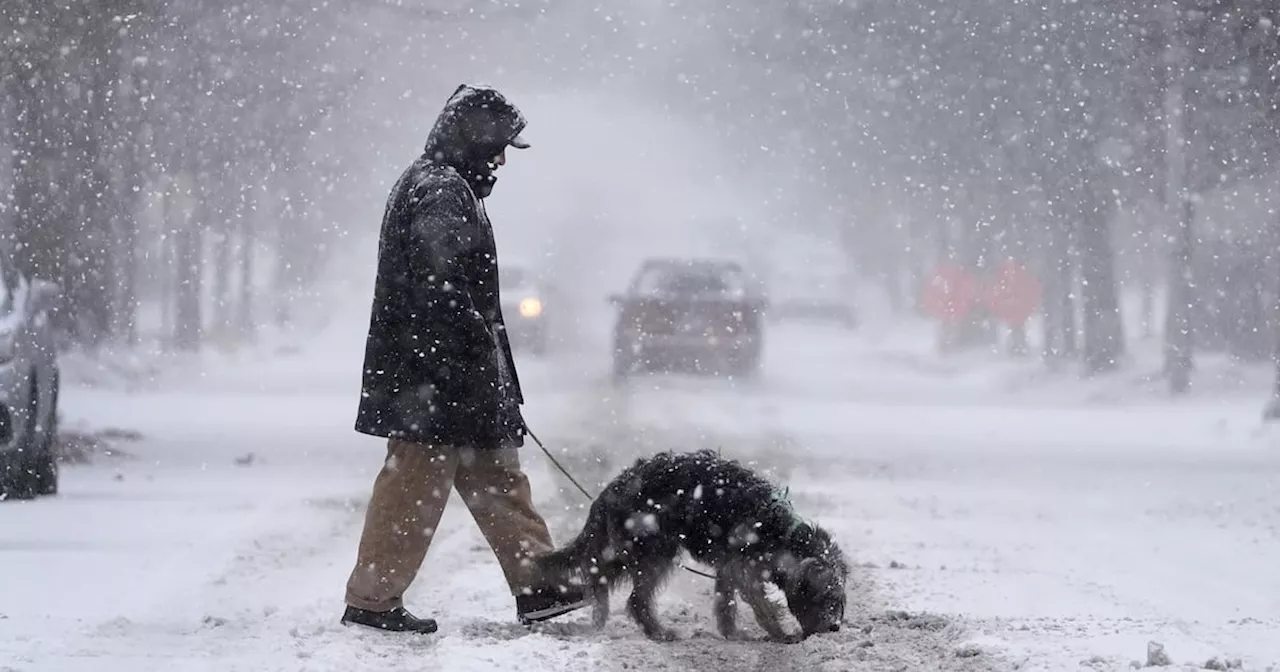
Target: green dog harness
[[781, 499]]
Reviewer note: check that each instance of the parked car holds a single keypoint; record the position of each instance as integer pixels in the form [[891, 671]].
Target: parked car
[[28, 385], [697, 315], [814, 293], [527, 307]]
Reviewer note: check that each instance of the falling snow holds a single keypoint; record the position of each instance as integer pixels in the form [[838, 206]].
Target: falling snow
[[955, 274]]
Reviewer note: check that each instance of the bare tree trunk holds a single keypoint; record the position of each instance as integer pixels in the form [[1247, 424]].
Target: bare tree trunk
[[166, 278], [1070, 332], [1019, 345], [893, 265], [222, 308], [296, 256], [1103, 327], [189, 271], [917, 263], [127, 307], [1147, 320], [284, 271], [1179, 340], [1179, 336], [244, 313], [1059, 289], [1051, 307], [129, 142], [1272, 410], [41, 222], [98, 202], [125, 316], [1153, 212]]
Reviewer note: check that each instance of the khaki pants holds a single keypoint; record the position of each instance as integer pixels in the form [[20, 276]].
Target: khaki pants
[[409, 496]]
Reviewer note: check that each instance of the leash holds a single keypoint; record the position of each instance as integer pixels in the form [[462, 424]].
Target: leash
[[587, 494], [559, 466]]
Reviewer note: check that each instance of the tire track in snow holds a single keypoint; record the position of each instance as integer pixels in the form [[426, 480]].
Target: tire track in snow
[[277, 606], [1064, 559], [243, 614], [460, 584]]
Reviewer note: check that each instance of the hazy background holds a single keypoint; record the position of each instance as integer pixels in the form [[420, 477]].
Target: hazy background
[[194, 171]]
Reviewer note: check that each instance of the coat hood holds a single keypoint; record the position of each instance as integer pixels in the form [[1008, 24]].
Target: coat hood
[[476, 124]]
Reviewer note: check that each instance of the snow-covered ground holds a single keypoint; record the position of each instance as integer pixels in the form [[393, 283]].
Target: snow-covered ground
[[1013, 526]]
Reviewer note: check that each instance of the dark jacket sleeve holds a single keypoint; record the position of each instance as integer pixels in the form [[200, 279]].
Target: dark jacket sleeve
[[441, 246]]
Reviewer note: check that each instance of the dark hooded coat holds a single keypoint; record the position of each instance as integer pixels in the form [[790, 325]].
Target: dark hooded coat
[[438, 367]]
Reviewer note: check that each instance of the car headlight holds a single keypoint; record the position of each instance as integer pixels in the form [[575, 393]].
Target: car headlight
[[530, 307]]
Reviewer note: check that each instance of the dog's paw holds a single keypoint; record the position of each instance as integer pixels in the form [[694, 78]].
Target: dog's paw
[[789, 638], [664, 635], [599, 619]]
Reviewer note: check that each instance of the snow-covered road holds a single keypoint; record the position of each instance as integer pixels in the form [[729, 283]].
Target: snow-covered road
[[1012, 533]]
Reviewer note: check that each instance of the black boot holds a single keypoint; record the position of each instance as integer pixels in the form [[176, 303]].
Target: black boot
[[396, 620], [547, 603]]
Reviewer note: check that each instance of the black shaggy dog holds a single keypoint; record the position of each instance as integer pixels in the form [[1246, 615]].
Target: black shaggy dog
[[724, 515]]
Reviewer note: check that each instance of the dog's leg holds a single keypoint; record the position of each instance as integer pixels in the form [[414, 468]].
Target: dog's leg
[[600, 588], [646, 578], [768, 614], [601, 585], [726, 603]]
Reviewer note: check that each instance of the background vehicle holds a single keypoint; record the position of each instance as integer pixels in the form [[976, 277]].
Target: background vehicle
[[28, 385], [697, 315], [526, 304], [814, 296], [818, 286]]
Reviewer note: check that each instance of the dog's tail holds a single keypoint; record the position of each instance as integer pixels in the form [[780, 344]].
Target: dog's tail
[[576, 559]]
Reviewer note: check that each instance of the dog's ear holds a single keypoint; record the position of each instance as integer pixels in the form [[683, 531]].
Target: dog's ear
[[821, 574], [799, 574], [814, 574], [816, 569], [823, 545]]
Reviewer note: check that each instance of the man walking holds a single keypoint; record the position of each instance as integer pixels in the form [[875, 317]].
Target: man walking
[[439, 379]]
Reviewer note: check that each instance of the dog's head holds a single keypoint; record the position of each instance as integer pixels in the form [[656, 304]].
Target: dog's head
[[815, 586], [815, 595]]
